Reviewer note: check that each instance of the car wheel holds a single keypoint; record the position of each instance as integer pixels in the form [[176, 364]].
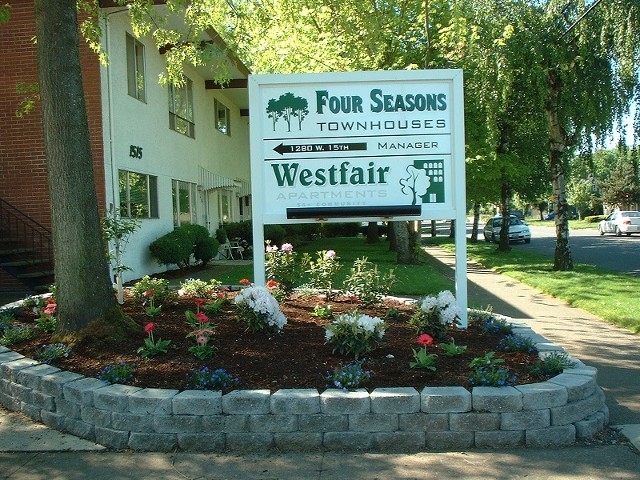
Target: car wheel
[[628, 234], [601, 230], [527, 240], [618, 232], [493, 238]]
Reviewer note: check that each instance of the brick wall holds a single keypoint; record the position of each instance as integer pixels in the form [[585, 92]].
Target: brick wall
[[22, 162]]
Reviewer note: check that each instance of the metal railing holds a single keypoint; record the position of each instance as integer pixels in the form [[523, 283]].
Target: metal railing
[[25, 244]]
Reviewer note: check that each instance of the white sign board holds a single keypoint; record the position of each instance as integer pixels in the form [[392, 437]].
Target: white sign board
[[357, 146]]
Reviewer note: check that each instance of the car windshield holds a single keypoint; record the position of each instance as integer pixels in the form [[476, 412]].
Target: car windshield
[[631, 214]]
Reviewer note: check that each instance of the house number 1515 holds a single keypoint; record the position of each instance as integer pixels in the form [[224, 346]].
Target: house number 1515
[[135, 151]]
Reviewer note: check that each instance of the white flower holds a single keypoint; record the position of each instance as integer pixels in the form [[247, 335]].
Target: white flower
[[271, 249], [260, 300], [446, 298], [329, 254], [286, 247], [428, 304]]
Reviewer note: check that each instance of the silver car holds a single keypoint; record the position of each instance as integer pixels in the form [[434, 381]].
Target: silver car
[[626, 222], [518, 230]]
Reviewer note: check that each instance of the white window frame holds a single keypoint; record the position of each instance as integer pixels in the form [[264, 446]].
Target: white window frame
[[127, 207], [136, 78], [223, 117], [179, 217], [181, 117]]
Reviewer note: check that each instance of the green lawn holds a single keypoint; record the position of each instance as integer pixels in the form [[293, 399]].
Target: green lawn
[[415, 280], [610, 296]]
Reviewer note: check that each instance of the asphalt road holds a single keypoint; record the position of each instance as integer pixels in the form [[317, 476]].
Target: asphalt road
[[616, 254]]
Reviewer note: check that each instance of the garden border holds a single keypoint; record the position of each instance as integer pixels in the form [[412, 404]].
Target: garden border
[[567, 408]]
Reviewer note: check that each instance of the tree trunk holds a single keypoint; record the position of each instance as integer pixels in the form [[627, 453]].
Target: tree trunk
[[452, 229], [434, 229], [476, 222], [372, 232], [557, 142], [391, 235], [406, 243], [505, 195], [83, 289]]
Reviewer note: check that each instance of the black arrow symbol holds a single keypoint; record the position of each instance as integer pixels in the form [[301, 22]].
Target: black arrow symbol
[[319, 147]]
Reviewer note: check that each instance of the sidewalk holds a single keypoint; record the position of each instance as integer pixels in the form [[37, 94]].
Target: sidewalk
[[31, 451]]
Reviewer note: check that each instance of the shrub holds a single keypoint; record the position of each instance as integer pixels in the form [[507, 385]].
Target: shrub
[[348, 377], [120, 373], [205, 379], [516, 343], [260, 310], [177, 246], [159, 287], [323, 271], [366, 283], [354, 333], [50, 353], [282, 265], [172, 248], [16, 334], [221, 236], [346, 229], [275, 234], [194, 287], [435, 314], [242, 230], [553, 364]]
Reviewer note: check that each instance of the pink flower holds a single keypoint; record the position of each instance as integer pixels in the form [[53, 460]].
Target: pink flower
[[221, 295], [149, 293], [245, 281], [201, 340], [50, 309], [272, 284], [425, 339], [286, 247], [199, 301], [148, 328], [201, 317], [329, 254]]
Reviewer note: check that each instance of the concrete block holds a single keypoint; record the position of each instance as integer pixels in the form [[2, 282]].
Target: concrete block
[[373, 422], [474, 422], [423, 422], [236, 423], [591, 425], [132, 421], [576, 411], [301, 401], [536, 396], [399, 441], [324, 423], [525, 420], [395, 400], [9, 370], [496, 399], [53, 420], [115, 439], [155, 401], [114, 397], [53, 384], [79, 428], [153, 442], [500, 439], [350, 441], [560, 436], [249, 442], [445, 400], [31, 376], [177, 424], [81, 391], [273, 423], [99, 417], [335, 402], [449, 440], [213, 423], [246, 401], [297, 441], [69, 409], [202, 442], [197, 402], [578, 386], [43, 401]]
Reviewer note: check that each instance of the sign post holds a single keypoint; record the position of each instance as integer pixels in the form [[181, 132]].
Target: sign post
[[358, 146]]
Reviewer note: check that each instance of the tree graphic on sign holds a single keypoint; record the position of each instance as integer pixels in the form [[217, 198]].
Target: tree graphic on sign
[[288, 107], [416, 184]]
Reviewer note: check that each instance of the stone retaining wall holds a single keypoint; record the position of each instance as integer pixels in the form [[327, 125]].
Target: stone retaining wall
[[566, 408]]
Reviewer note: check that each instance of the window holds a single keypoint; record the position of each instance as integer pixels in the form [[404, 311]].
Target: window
[[138, 195], [181, 109], [184, 203], [135, 69], [223, 120]]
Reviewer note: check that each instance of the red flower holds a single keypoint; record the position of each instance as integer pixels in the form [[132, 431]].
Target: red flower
[[148, 328], [149, 293], [272, 284], [199, 301], [425, 339], [245, 281], [201, 317], [51, 300], [50, 309], [221, 295]]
